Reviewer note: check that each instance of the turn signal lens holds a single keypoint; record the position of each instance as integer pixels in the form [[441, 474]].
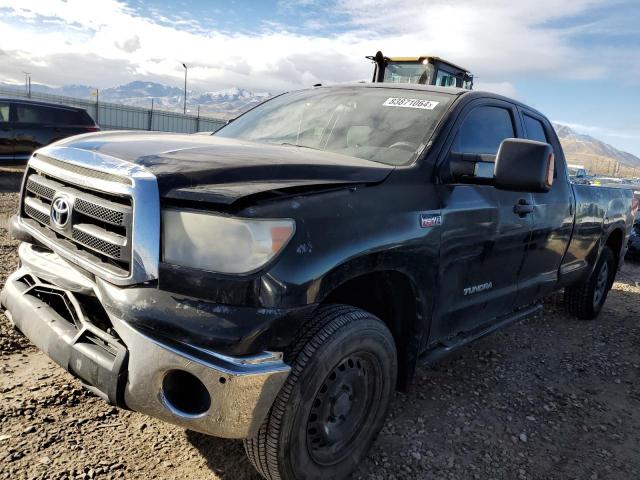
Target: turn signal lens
[[550, 169], [280, 236]]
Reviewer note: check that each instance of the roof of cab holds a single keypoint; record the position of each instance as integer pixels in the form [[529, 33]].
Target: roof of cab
[[400, 86]]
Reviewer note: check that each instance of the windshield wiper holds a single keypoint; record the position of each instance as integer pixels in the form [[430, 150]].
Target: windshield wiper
[[296, 145]]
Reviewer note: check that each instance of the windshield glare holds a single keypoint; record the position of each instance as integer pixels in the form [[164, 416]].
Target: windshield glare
[[383, 125]]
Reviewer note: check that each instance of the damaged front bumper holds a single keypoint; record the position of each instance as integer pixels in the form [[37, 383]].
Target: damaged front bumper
[[63, 313]]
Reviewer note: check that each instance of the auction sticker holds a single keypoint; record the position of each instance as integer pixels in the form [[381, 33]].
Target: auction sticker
[[410, 103]]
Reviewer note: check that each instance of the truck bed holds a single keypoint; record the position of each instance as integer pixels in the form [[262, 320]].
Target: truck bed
[[598, 211]]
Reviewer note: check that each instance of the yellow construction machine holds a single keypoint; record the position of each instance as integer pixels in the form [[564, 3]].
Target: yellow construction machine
[[425, 70]]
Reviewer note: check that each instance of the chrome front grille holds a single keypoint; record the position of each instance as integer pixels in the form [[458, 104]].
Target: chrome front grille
[[100, 212], [90, 236], [39, 189], [99, 225], [113, 227], [36, 209], [84, 171]]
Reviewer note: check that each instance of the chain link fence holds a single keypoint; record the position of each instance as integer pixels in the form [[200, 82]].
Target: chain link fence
[[114, 116]]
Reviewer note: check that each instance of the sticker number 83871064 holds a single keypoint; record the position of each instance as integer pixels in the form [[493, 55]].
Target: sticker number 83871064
[[410, 103]]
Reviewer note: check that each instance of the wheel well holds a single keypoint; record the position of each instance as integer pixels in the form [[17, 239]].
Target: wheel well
[[390, 296], [614, 242]]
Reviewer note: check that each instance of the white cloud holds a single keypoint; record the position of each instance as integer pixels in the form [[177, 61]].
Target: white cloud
[[130, 45], [104, 42]]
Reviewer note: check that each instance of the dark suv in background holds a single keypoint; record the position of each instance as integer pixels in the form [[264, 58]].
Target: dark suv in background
[[27, 125]]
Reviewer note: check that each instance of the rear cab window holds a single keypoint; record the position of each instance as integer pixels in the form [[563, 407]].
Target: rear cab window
[[534, 130]]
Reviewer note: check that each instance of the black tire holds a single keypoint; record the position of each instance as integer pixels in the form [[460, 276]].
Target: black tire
[[585, 301], [344, 368]]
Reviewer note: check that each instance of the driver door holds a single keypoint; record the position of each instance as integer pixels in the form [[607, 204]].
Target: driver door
[[483, 241]]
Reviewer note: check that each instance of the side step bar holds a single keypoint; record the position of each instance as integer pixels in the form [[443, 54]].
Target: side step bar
[[451, 345]]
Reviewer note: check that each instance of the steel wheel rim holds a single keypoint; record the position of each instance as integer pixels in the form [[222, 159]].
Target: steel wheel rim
[[601, 284], [342, 405]]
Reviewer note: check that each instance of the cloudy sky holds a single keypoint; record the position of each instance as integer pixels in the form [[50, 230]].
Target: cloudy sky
[[576, 60]]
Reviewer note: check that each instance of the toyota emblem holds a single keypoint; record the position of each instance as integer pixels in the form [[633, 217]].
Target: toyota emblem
[[60, 212]]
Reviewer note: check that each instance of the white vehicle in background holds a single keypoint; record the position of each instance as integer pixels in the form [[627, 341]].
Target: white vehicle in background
[[578, 174]]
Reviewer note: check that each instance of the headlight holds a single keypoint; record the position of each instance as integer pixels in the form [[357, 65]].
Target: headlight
[[222, 244]]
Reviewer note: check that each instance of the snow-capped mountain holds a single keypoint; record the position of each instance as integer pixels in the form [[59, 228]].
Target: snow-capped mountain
[[230, 102], [596, 156], [226, 103], [231, 94], [574, 143], [77, 91], [138, 90]]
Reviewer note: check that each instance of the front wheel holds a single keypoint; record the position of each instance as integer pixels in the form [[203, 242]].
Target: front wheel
[[586, 300], [334, 402]]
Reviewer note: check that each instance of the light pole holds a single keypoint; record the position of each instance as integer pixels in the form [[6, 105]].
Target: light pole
[[27, 83], [97, 95], [184, 110]]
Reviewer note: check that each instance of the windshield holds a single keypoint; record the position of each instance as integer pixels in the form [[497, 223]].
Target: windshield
[[408, 72], [383, 125]]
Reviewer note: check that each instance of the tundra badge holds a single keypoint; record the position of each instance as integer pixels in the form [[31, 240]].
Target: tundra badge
[[478, 288]]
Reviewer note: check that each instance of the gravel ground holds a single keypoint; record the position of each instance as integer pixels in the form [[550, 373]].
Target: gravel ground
[[551, 397]]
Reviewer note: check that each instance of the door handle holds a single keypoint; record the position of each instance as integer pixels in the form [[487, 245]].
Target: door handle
[[523, 207]]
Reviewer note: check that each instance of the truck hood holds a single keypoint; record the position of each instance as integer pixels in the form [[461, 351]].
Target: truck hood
[[221, 170]]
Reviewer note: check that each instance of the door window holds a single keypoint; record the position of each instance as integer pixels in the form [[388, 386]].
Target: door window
[[4, 112], [535, 129], [483, 131]]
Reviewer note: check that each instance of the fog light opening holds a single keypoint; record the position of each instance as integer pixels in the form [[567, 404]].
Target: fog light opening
[[185, 394]]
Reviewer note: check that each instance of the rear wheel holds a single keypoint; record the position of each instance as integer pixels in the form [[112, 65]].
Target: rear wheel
[[333, 403], [585, 301]]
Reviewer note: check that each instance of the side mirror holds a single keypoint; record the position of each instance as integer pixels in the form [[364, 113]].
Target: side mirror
[[524, 165]]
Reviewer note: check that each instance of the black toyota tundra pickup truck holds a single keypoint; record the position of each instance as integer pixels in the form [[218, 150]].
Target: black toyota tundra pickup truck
[[278, 280]]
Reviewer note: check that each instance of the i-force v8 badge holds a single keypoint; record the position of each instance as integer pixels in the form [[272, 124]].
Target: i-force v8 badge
[[428, 220]]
